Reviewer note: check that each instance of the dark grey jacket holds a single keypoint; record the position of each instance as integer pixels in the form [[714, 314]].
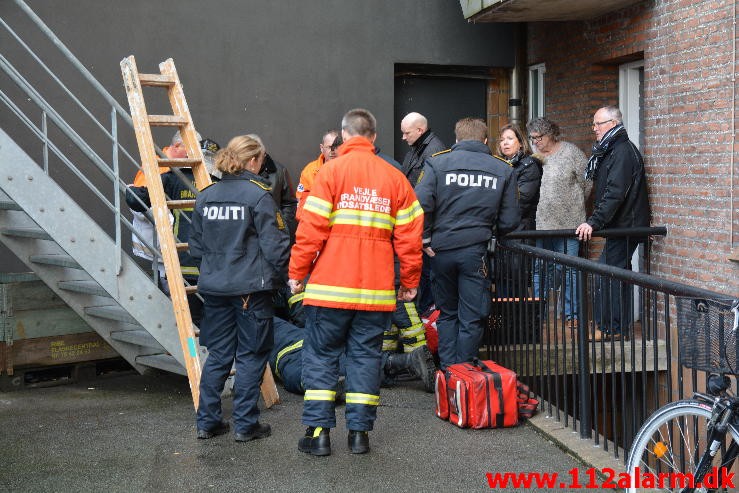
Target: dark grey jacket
[[426, 146], [467, 196], [239, 237], [621, 199]]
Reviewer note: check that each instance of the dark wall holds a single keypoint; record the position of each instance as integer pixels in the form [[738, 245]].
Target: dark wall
[[286, 70]]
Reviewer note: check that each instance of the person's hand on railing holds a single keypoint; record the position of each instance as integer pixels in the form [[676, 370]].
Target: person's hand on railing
[[584, 232]]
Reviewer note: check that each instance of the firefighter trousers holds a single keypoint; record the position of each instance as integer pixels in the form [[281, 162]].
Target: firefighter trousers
[[329, 332]]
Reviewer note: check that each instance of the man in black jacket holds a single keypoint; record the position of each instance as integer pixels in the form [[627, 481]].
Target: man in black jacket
[[467, 196], [282, 189], [621, 201], [424, 144]]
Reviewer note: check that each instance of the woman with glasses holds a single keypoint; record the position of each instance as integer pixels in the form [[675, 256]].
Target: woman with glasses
[[561, 206], [513, 277], [515, 149]]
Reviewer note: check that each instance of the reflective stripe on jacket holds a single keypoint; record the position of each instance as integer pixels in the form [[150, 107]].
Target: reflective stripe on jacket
[[360, 211]]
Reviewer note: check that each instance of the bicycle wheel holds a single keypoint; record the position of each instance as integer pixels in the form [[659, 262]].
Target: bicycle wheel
[[670, 443]]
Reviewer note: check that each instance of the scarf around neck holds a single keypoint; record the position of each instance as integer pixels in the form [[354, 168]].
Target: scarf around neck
[[601, 148]]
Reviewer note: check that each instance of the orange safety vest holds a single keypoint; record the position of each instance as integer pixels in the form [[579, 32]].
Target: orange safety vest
[[307, 177], [360, 211]]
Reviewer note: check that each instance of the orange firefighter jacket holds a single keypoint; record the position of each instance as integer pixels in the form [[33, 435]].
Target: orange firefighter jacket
[[307, 177], [361, 209]]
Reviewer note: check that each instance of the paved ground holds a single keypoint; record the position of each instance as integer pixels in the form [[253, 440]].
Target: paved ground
[[137, 433]]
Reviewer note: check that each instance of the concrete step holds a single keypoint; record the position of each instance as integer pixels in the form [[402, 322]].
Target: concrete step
[[84, 287], [111, 312], [60, 260]]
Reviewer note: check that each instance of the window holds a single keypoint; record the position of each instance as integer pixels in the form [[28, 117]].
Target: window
[[536, 91]]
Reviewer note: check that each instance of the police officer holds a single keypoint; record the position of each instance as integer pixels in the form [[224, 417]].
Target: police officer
[[242, 242], [467, 196]]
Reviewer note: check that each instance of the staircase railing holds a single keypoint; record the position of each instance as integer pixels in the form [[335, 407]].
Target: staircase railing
[[119, 160]]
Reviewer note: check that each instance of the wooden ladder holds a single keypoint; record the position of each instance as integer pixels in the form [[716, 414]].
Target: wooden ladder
[[160, 206]]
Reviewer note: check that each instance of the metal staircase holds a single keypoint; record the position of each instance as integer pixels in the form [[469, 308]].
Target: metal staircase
[[59, 241], [78, 251]]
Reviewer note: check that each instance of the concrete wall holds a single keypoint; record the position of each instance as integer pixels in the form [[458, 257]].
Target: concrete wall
[[286, 70], [688, 80]]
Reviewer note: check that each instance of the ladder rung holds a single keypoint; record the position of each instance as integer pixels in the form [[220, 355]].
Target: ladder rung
[[181, 204], [179, 163], [191, 289], [182, 247], [167, 120], [156, 80]]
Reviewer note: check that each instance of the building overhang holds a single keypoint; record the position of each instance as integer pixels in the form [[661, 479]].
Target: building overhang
[[538, 10]]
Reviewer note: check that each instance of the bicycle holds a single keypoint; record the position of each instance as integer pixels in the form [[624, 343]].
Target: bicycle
[[689, 441]]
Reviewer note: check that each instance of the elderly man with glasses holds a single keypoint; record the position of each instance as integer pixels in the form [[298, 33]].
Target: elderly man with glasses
[[621, 201]]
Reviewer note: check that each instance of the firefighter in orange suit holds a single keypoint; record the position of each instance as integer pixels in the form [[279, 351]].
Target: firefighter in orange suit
[[360, 212]]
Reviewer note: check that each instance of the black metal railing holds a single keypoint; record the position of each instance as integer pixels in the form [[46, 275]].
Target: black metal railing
[[546, 320]]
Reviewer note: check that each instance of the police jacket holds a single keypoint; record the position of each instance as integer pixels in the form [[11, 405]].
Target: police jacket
[[423, 148], [528, 176], [283, 192], [175, 189], [467, 196], [239, 236], [361, 210], [621, 199]]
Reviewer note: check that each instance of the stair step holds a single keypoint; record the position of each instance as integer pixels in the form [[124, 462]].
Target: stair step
[[156, 80], [164, 362], [37, 233], [111, 312], [61, 260], [179, 163], [182, 247], [167, 120], [85, 287], [9, 205], [139, 337], [191, 289]]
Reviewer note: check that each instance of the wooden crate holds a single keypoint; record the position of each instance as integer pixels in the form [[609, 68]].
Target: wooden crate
[[38, 329]]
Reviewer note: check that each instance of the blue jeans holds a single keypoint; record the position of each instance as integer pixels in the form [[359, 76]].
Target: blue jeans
[[543, 281]]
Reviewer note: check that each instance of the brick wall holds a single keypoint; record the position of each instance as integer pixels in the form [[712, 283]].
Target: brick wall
[[687, 51]]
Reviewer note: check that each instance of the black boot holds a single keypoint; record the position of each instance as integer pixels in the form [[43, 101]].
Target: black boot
[[422, 362], [256, 431], [316, 441], [358, 442]]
